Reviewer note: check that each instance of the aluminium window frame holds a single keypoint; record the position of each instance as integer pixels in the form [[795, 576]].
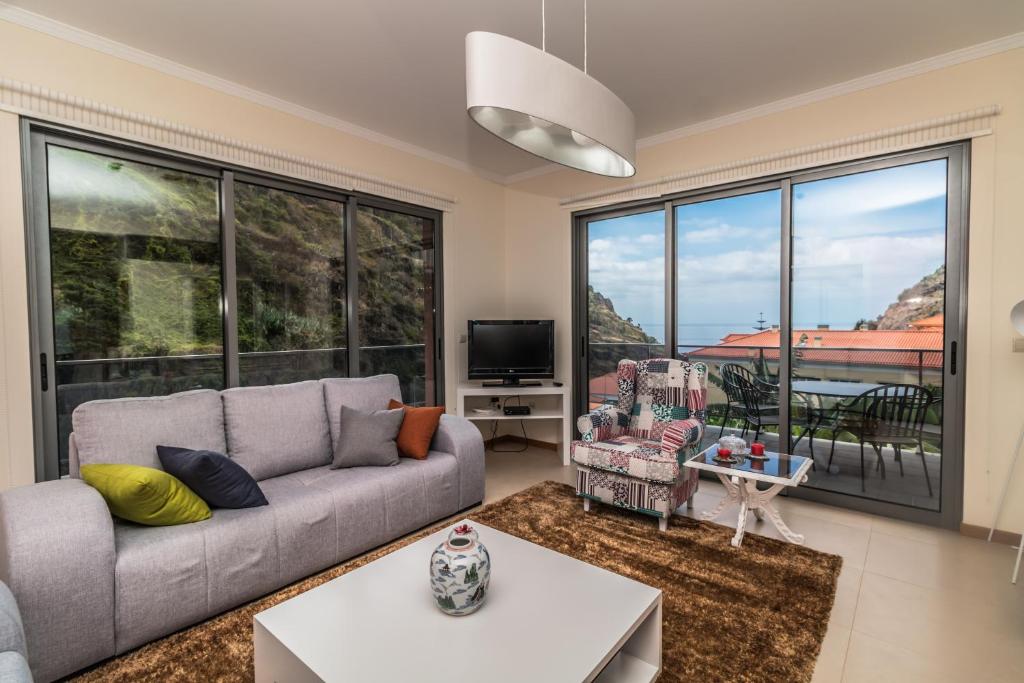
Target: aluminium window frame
[[958, 155], [36, 134]]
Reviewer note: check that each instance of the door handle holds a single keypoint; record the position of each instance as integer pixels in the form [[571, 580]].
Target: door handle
[[44, 373], [952, 358]]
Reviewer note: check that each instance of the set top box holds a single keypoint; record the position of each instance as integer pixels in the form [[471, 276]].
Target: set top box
[[511, 350]]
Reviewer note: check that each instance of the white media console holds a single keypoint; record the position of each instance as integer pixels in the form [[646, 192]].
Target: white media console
[[550, 403]]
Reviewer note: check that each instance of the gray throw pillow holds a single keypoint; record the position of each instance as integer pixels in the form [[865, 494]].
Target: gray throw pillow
[[367, 438]]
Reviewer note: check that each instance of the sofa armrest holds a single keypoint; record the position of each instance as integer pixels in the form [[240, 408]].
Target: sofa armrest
[[57, 556], [603, 422], [461, 438], [681, 435]]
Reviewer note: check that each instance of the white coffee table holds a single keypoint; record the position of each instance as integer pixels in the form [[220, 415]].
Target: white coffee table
[[740, 482], [548, 617]]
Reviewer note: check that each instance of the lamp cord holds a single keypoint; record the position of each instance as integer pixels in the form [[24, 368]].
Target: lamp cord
[[544, 31], [543, 26]]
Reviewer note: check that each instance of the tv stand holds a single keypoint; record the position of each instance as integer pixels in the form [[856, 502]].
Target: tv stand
[[554, 404], [514, 382]]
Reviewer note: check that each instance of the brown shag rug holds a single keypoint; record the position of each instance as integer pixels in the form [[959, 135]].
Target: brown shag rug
[[757, 613]]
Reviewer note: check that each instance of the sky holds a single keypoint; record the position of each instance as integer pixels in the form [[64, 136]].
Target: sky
[[858, 241]]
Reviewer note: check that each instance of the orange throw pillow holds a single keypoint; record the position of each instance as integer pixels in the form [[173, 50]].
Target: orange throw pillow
[[417, 430]]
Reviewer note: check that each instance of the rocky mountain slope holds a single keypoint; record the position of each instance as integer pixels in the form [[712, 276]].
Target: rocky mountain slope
[[924, 299]]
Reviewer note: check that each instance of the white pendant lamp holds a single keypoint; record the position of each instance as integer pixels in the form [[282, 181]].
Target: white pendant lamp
[[547, 106]]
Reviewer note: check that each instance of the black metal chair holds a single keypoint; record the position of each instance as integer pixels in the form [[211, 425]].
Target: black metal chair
[[892, 415], [759, 401], [732, 375]]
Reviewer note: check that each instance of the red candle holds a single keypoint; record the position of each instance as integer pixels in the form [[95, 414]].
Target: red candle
[[724, 453], [757, 448]]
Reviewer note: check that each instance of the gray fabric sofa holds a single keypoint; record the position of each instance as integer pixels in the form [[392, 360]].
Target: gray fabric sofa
[[90, 586], [13, 655]]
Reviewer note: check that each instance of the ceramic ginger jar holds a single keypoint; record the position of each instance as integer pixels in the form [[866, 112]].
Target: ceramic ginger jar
[[460, 570]]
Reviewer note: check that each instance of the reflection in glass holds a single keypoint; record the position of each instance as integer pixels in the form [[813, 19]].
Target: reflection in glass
[[290, 256], [396, 300], [868, 321], [626, 296], [136, 280], [728, 307]]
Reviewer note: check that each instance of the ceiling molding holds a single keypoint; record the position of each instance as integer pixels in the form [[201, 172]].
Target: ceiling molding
[[967, 54], [26, 99], [952, 127], [57, 29]]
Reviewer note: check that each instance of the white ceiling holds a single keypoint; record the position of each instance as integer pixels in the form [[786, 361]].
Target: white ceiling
[[397, 67]]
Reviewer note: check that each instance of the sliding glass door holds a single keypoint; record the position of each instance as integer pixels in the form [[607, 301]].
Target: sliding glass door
[[133, 272], [625, 297], [153, 274], [397, 305], [290, 256], [727, 297], [869, 323], [827, 305]]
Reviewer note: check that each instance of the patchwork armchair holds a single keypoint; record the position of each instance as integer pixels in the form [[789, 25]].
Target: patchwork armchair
[[631, 454]]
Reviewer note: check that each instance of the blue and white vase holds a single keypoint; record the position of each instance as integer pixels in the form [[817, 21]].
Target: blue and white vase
[[460, 571]]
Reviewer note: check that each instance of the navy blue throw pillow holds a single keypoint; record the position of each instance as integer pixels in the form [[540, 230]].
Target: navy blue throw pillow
[[215, 478]]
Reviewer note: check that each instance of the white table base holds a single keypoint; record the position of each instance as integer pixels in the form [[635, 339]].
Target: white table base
[[745, 494]]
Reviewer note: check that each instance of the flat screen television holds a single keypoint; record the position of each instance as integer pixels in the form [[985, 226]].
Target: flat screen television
[[511, 350]]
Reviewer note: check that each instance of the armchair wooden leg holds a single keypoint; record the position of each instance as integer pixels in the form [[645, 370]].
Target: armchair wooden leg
[[586, 504], [663, 523], [689, 501]]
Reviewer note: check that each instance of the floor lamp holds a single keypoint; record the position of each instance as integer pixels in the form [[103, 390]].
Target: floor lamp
[[1017, 318]]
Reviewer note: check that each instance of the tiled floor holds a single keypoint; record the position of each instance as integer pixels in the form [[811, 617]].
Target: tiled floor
[[914, 603]]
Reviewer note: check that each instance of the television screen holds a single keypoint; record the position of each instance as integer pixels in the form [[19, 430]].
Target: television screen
[[510, 349]]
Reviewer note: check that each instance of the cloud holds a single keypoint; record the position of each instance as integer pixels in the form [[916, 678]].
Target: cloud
[[717, 233]]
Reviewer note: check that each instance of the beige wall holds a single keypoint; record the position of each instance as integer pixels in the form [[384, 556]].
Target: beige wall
[[539, 232], [507, 250], [473, 232]]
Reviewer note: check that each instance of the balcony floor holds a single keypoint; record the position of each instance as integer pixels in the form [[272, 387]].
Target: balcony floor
[[844, 476]]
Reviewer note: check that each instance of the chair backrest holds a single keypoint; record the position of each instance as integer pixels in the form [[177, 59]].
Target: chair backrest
[[732, 390], [903, 406], [657, 391], [748, 389]]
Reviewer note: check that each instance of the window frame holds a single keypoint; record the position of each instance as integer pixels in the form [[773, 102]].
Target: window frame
[[36, 135], [958, 155]]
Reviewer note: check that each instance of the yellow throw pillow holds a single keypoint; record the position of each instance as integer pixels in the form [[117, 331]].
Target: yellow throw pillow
[[145, 495]]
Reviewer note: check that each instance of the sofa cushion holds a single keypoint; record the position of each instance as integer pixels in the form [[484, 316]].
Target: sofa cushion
[[128, 430], [367, 438], [636, 457], [362, 393], [278, 429], [417, 430], [214, 477], [306, 524], [159, 581], [145, 495], [377, 504]]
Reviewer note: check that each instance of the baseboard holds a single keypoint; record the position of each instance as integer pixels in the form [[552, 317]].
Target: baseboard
[[1000, 536], [505, 438]]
